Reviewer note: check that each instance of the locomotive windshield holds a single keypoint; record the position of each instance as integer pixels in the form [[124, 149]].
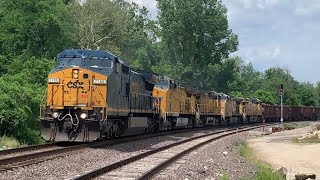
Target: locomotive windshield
[[66, 62], [99, 63], [87, 62], [162, 84]]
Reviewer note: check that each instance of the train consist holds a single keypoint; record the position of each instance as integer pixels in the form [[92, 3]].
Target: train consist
[[94, 95]]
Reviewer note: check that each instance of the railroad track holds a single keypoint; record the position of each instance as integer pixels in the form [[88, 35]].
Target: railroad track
[[25, 149], [48, 152], [148, 164], [25, 156]]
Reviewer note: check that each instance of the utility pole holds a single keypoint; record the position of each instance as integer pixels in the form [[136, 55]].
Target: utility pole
[[281, 95]]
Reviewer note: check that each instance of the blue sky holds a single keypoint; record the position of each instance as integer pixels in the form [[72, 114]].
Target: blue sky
[[282, 33]]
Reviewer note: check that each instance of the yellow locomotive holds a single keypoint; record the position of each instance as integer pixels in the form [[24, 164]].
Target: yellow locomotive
[[94, 95]]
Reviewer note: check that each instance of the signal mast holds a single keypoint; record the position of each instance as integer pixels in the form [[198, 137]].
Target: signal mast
[[281, 96]]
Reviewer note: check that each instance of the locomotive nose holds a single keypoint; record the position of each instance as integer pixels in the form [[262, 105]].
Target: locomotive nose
[[77, 88]]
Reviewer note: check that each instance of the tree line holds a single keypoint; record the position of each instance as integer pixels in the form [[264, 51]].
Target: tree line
[[190, 41]]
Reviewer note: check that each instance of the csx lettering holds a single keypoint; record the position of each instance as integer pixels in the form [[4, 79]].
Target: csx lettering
[[75, 85]]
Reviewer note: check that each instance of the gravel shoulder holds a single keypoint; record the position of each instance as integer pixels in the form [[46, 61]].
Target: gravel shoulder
[[79, 162], [278, 150], [212, 161]]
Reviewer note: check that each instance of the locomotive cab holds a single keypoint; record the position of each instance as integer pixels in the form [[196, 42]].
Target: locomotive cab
[[76, 98]]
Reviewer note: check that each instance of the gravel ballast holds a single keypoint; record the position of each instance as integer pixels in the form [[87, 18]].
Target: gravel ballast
[[85, 160], [212, 161]]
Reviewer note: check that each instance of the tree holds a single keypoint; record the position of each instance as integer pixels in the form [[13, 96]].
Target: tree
[[37, 28], [196, 35], [119, 27]]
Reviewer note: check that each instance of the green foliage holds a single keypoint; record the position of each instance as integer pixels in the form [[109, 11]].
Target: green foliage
[[265, 171], [295, 125], [118, 27], [195, 37], [37, 28], [8, 142], [22, 90], [265, 96], [243, 149], [224, 177]]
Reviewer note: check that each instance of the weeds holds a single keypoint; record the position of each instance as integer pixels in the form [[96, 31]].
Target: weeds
[[295, 125], [307, 140], [224, 177], [316, 127], [265, 171], [8, 142]]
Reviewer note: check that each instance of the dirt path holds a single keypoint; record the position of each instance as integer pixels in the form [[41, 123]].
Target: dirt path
[[278, 150]]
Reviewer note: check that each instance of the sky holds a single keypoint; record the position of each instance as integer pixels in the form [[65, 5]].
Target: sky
[[274, 33]]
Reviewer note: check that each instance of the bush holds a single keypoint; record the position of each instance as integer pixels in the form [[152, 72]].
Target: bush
[[265, 172], [29, 136], [22, 90], [8, 142]]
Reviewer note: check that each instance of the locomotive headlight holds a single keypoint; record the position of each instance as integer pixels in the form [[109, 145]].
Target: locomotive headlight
[[83, 116], [55, 115], [76, 74]]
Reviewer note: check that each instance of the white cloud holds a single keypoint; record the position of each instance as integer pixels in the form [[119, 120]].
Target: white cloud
[[306, 7], [261, 4], [254, 54], [246, 3], [276, 52]]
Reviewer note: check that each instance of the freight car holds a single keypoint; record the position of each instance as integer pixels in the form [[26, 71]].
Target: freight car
[[95, 95]]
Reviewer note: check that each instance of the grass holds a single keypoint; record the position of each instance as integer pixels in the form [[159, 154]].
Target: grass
[[309, 140], [312, 138], [265, 171], [224, 177], [8, 142], [295, 125]]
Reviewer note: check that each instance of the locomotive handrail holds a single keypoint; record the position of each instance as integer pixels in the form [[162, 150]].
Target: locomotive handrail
[[146, 95]]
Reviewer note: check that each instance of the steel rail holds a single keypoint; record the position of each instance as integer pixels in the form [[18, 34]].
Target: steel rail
[[29, 159], [149, 174], [111, 167], [27, 148]]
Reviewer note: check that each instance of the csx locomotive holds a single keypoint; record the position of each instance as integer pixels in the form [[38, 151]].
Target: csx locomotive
[[95, 95]]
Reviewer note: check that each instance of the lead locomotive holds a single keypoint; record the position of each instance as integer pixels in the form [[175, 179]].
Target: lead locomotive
[[93, 94]]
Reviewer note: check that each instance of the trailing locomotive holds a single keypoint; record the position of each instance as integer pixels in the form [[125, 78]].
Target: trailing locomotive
[[94, 95]]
